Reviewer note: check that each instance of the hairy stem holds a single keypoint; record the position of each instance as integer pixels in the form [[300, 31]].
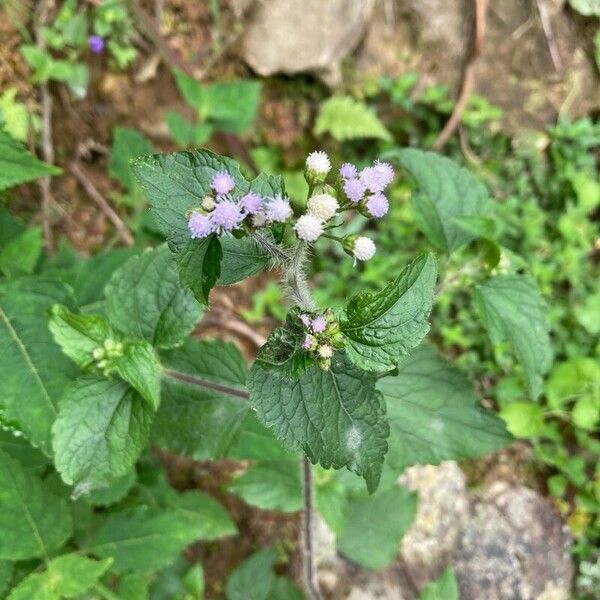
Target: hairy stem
[[310, 567]]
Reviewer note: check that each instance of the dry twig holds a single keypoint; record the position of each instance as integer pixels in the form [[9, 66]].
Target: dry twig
[[549, 34], [468, 80]]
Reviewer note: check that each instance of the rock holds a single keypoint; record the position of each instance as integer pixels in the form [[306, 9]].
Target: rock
[[287, 36], [443, 511], [515, 546]]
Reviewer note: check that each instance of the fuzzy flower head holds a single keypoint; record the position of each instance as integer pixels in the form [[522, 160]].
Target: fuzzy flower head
[[200, 225], [308, 228], [319, 324], [322, 206], [251, 203], [309, 342], [354, 189], [377, 177], [377, 205], [363, 249], [227, 215], [325, 351], [279, 210], [96, 44], [259, 219], [305, 319], [318, 162], [348, 171], [222, 183]]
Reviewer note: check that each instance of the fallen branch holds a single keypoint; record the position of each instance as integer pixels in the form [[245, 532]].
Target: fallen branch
[[468, 80], [103, 204]]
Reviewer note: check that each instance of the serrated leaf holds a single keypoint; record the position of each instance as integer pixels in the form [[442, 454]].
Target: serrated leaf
[[33, 370], [511, 308], [17, 165], [253, 579], [140, 368], [380, 328], [273, 485], [199, 264], [347, 119], [445, 192], [34, 522], [15, 445], [195, 421], [434, 414], [127, 145], [445, 587], [145, 300], [241, 258], [374, 526], [143, 539], [20, 255], [100, 431], [67, 576], [336, 417]]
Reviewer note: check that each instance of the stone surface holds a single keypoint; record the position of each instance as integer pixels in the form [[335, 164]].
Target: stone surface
[[515, 546], [288, 36], [443, 511]]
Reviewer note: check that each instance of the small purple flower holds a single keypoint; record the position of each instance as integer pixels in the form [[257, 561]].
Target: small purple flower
[[377, 205], [308, 342], [385, 171], [222, 183], [227, 214], [96, 44], [279, 210], [251, 203], [355, 189], [305, 320], [319, 324], [200, 225], [348, 171], [377, 177]]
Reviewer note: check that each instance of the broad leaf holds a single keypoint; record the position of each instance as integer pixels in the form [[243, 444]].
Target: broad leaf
[[445, 195], [336, 417], [68, 576], [186, 133], [273, 485], [145, 300], [253, 579], [201, 421], [380, 328], [199, 264], [434, 414], [100, 431], [140, 368], [33, 521], [511, 308], [143, 540], [20, 255], [17, 165], [241, 258], [445, 587], [33, 370], [30, 458], [127, 145], [346, 119], [374, 526]]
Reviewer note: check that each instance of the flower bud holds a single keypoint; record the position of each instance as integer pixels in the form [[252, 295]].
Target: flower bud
[[318, 166], [359, 247], [208, 203], [322, 206]]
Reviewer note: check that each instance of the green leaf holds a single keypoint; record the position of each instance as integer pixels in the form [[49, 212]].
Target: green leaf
[[143, 539], [523, 419], [33, 370], [20, 255], [587, 8], [381, 328], [127, 145], [434, 414], [445, 587], [284, 588], [14, 116], [172, 583], [199, 421], [199, 264], [100, 431], [241, 258], [375, 525], [347, 119], [115, 492], [30, 458], [34, 522], [17, 165], [254, 578], [67, 576], [511, 308], [6, 576], [446, 194], [134, 587], [273, 485], [571, 379], [145, 300], [336, 417], [186, 133]]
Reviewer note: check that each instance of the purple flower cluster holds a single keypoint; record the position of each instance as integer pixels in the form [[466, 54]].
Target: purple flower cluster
[[226, 213], [367, 186], [322, 337]]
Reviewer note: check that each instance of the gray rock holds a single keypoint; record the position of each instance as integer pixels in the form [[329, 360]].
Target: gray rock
[[515, 547], [442, 513], [288, 36]]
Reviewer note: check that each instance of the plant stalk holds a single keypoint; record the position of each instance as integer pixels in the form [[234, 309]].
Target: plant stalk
[[310, 565]]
